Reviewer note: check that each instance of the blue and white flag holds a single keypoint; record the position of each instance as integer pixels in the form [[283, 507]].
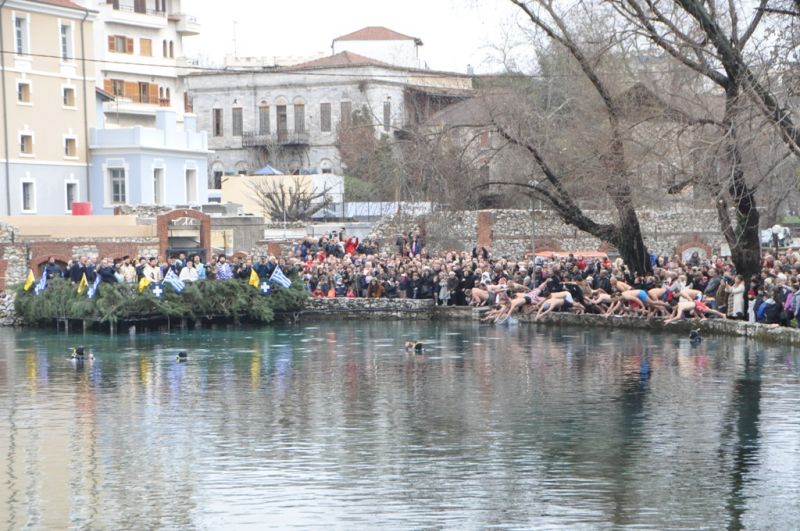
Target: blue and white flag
[[93, 288], [265, 288], [174, 282], [41, 284], [156, 290], [279, 278]]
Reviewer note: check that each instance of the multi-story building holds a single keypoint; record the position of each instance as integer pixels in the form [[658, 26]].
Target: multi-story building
[[47, 95], [139, 51], [289, 116]]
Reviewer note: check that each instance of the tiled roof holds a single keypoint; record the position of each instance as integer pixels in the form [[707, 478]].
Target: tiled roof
[[376, 33], [61, 3], [338, 60]]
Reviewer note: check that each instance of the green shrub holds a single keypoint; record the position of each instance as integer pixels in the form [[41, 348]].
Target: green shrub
[[214, 299]]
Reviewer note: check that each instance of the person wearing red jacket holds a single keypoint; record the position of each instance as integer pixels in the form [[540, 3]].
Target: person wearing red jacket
[[350, 245]]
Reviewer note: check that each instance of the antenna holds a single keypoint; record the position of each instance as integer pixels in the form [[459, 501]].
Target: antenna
[[235, 51]]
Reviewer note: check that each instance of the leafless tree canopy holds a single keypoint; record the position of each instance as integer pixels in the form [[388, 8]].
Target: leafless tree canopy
[[283, 201]]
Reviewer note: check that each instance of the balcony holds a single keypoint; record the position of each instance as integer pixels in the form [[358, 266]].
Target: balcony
[[122, 13], [281, 138], [185, 24]]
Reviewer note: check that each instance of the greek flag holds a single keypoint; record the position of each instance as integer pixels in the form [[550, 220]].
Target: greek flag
[[279, 278], [93, 288], [41, 284], [156, 290], [174, 282]]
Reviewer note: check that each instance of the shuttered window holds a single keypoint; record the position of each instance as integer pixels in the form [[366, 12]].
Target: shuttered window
[[325, 117], [236, 121]]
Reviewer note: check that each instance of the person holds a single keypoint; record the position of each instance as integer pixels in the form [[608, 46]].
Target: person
[[735, 293], [224, 271], [374, 289], [188, 272], [52, 269]]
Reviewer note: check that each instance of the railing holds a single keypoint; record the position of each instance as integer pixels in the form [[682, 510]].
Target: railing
[[281, 138], [164, 102], [132, 9]]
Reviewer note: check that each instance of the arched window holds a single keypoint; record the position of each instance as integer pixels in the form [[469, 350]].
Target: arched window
[[171, 49], [263, 118], [299, 115], [325, 166]]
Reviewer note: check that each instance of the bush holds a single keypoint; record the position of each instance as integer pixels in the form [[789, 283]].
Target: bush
[[214, 299]]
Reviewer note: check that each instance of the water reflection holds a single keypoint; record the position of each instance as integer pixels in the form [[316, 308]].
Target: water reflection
[[338, 425]]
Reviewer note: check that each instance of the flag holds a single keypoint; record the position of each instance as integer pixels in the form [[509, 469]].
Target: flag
[[143, 283], [29, 281], [265, 288], [174, 282], [41, 284], [82, 285], [279, 278], [93, 288], [156, 290], [254, 280]]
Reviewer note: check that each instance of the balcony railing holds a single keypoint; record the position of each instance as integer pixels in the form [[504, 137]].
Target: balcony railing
[[281, 138], [133, 9]]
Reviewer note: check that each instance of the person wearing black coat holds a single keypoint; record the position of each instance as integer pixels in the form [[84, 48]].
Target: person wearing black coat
[[77, 270]]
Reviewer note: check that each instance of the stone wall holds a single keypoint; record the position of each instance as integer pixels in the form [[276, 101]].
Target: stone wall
[[361, 309], [510, 232]]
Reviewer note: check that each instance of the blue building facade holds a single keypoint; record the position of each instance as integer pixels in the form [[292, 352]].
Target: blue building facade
[[165, 165]]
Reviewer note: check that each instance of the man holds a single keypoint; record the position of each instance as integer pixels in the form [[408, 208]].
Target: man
[[77, 270], [710, 291], [52, 269], [106, 272]]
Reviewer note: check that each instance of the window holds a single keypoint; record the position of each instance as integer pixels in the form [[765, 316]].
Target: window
[[346, 109], [116, 186], [171, 50], [117, 87], [70, 147], [216, 126], [325, 166], [263, 119], [140, 6], [164, 51], [146, 47], [71, 195], [236, 121], [144, 92], [158, 186], [21, 35], [28, 196], [387, 115], [66, 42], [299, 118], [68, 94], [26, 144], [325, 117], [120, 44], [23, 92], [217, 180], [282, 121], [191, 186]]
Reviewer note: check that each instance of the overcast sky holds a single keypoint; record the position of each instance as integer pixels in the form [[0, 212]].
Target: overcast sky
[[454, 32]]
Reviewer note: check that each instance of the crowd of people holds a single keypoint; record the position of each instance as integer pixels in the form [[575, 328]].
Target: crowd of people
[[342, 265]]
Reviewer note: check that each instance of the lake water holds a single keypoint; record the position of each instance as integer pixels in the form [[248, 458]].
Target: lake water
[[335, 425]]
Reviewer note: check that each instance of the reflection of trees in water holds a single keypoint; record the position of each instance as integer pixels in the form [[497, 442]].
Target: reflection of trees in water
[[741, 437]]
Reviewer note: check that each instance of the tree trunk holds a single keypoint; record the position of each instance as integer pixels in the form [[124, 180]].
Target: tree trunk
[[628, 241]]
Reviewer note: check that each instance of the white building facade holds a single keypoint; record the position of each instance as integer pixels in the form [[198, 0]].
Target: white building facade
[[382, 44], [139, 53]]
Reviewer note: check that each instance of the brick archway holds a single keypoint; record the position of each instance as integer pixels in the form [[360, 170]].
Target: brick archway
[[693, 243], [162, 228], [37, 263]]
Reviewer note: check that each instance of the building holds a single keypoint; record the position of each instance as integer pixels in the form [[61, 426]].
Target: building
[[382, 44], [161, 165], [139, 51], [289, 116], [47, 82]]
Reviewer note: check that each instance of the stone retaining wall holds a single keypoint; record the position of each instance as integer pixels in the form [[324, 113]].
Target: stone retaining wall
[[372, 309]]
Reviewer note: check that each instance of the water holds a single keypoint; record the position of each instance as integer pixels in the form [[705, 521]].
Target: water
[[335, 425]]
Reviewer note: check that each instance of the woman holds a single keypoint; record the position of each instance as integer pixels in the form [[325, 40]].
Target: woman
[[374, 289], [736, 298]]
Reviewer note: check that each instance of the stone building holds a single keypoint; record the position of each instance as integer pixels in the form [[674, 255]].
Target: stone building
[[288, 116]]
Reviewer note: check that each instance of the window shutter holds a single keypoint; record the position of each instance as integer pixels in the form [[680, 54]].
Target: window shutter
[[108, 86], [132, 91], [153, 93], [128, 45], [111, 44]]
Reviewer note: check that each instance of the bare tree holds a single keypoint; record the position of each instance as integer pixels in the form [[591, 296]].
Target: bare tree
[[289, 201]]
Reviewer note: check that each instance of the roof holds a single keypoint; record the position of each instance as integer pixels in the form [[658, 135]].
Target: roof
[[104, 95], [61, 3], [340, 59], [377, 33]]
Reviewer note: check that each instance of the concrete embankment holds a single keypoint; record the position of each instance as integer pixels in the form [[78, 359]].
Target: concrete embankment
[[408, 309]]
